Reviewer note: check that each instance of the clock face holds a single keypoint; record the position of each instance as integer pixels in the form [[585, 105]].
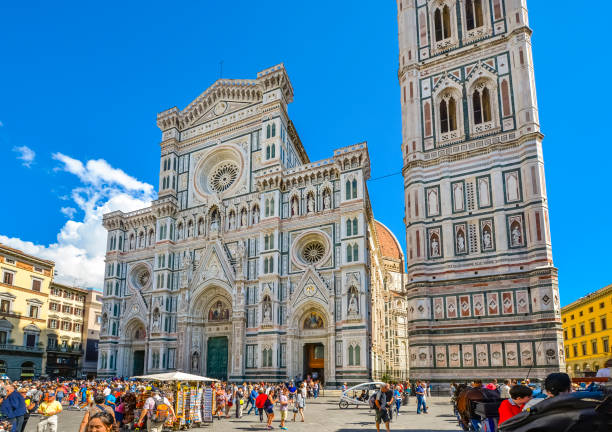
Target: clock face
[[310, 290]]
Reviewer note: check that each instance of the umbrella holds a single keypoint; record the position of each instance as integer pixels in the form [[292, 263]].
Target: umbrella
[[174, 376]]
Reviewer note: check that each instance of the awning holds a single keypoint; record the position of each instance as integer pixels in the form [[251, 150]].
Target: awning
[[174, 376]]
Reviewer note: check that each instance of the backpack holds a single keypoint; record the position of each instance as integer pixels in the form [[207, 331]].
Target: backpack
[[162, 411], [372, 401]]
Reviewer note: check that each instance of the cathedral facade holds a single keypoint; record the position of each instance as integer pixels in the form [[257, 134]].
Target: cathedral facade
[[481, 287], [254, 263]]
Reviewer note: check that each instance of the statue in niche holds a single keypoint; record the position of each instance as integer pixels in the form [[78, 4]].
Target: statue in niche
[[156, 319], [313, 321], [104, 324], [190, 229], [255, 215], [310, 203], [326, 200], [201, 227], [486, 238], [243, 218], [435, 246], [460, 242], [218, 312], [294, 207], [458, 196], [232, 220], [353, 304], [195, 362], [517, 239], [267, 310], [214, 221], [132, 241]]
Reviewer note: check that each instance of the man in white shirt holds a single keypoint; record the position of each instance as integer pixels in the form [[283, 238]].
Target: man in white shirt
[[504, 390], [106, 391], [605, 371]]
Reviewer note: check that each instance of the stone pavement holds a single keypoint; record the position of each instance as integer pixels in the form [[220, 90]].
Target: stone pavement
[[322, 415]]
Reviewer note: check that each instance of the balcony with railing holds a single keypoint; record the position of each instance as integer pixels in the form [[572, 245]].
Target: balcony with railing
[[22, 348]]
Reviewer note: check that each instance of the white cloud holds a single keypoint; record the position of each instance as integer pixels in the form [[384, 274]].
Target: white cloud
[[26, 154], [69, 212], [81, 244]]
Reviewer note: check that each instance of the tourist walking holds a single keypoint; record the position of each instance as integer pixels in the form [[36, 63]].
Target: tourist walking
[[284, 406], [420, 395], [269, 407], [14, 408], [380, 407], [239, 401], [157, 409], [260, 403], [49, 409], [300, 401]]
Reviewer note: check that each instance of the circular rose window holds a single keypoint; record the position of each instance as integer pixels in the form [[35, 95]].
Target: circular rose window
[[140, 276], [313, 252], [223, 176]]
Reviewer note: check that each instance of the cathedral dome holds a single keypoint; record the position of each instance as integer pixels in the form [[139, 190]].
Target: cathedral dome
[[389, 245]]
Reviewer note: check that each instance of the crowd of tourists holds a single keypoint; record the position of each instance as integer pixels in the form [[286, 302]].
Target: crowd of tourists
[[122, 405]]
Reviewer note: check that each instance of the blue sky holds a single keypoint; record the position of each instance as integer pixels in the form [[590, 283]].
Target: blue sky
[[82, 82]]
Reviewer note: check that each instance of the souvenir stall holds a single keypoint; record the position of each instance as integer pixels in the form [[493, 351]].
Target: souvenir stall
[[190, 396]]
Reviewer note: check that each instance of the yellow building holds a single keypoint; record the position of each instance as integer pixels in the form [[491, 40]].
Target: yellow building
[[587, 332], [66, 330], [24, 293]]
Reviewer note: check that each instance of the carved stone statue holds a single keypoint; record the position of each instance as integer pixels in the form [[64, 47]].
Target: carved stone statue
[[156, 319], [486, 239], [353, 306], [255, 216], [214, 221], [232, 221], [243, 218], [435, 246], [326, 200], [311, 203], [195, 362], [516, 236], [190, 229], [267, 311], [294, 207], [460, 242]]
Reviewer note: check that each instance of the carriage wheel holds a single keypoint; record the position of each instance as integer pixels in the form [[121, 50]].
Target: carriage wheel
[[343, 404]]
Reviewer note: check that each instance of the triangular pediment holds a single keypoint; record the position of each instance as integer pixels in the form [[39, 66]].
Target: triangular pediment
[[213, 264], [311, 286], [221, 108]]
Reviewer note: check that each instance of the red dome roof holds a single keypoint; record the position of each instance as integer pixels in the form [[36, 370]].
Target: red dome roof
[[389, 245]]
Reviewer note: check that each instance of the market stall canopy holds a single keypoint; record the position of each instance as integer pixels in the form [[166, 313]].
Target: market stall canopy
[[174, 376]]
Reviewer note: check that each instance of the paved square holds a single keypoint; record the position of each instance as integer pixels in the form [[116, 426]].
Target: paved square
[[321, 415]]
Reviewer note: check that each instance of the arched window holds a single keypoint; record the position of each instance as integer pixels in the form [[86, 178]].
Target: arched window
[[273, 150], [267, 208], [351, 360], [120, 242], [482, 105], [348, 227], [448, 115], [349, 253], [268, 132], [355, 230], [442, 23], [355, 253], [354, 184], [273, 129], [473, 14], [357, 355], [348, 190], [271, 207], [505, 94], [268, 151], [265, 265]]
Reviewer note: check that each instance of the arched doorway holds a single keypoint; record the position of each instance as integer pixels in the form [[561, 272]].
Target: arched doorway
[[216, 357], [27, 370], [313, 344], [136, 334]]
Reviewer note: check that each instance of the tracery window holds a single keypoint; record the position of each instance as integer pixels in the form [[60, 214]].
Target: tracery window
[[313, 252], [481, 101], [442, 23], [448, 114], [223, 176], [473, 14]]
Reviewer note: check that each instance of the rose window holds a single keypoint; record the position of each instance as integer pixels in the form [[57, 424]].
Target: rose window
[[313, 252], [143, 278], [223, 176]]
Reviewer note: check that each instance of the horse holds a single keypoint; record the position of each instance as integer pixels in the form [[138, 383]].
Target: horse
[[465, 399]]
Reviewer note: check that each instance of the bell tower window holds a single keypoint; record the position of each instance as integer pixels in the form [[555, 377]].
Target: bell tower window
[[473, 14], [442, 23], [482, 106], [448, 115]]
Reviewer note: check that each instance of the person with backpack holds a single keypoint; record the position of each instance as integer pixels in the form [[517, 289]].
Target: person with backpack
[[98, 406], [378, 403], [158, 410], [252, 396]]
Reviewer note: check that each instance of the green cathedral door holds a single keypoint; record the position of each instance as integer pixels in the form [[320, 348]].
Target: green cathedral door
[[216, 358], [139, 362]]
